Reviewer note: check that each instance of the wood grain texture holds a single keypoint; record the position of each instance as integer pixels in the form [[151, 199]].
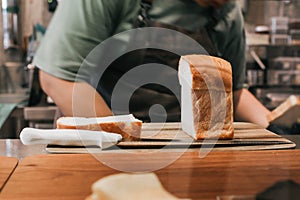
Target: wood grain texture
[[7, 166], [247, 136], [217, 174]]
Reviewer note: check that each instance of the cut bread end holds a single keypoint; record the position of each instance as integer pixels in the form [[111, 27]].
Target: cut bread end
[[206, 97], [126, 125]]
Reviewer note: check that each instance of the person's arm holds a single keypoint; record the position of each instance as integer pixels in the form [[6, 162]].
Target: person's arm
[[248, 108], [76, 28], [74, 99]]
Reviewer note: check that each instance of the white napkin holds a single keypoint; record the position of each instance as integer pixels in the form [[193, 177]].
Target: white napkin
[[69, 137]]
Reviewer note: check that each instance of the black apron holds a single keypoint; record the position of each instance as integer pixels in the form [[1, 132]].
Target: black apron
[[147, 101]]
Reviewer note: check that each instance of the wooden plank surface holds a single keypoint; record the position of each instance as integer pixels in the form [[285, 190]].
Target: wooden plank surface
[[219, 173], [247, 136], [7, 166]]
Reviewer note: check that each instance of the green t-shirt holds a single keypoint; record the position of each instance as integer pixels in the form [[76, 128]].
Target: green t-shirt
[[78, 26]]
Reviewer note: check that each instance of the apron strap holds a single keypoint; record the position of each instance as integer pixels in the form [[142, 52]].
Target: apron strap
[[202, 35], [214, 18]]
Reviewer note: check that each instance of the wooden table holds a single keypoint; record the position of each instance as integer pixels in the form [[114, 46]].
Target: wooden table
[[70, 176], [7, 166]]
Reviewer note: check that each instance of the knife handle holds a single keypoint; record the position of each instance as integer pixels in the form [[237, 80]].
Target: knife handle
[[70, 137]]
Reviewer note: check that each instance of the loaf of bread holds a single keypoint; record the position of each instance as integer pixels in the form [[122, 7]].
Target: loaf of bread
[[126, 125], [129, 186], [206, 97]]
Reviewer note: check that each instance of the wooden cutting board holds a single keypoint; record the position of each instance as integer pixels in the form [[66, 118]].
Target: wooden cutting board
[[7, 166], [247, 136]]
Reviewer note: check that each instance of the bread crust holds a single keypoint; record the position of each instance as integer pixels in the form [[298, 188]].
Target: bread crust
[[207, 70], [128, 130]]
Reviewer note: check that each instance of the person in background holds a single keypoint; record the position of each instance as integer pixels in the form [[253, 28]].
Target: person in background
[[78, 26]]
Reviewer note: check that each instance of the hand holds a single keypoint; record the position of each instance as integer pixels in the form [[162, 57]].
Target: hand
[[249, 109]]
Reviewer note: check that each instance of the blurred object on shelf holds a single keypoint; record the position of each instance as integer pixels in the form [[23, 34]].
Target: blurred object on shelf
[[294, 30], [294, 23], [13, 77], [284, 31], [285, 63], [255, 74], [283, 77], [295, 36], [262, 29], [255, 77], [10, 11], [284, 71], [279, 31], [257, 59], [279, 25], [280, 39], [12, 73], [257, 39]]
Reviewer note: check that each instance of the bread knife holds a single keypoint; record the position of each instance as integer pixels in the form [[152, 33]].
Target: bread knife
[[69, 137]]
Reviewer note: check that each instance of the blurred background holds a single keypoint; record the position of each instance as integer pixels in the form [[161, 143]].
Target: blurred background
[[273, 57]]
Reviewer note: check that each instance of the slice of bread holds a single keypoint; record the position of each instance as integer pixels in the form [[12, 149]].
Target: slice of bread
[[129, 186], [126, 125]]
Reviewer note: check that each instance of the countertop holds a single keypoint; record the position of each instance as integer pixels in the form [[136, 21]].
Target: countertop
[[70, 176]]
